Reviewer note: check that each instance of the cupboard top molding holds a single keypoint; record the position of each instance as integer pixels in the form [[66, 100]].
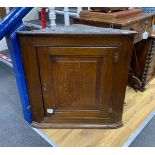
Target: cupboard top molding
[[78, 29]]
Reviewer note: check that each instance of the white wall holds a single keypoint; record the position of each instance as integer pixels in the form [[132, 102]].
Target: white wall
[[3, 45], [32, 15]]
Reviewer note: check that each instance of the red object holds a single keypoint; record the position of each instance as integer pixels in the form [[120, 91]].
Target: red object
[[43, 18], [5, 58]]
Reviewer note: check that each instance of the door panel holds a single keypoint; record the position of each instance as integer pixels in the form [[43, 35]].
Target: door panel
[[76, 81]]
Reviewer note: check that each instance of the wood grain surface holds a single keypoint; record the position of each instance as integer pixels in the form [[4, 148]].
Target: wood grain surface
[[80, 78]]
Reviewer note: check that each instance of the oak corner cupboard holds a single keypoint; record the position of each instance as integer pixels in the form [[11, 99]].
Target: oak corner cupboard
[[77, 75]]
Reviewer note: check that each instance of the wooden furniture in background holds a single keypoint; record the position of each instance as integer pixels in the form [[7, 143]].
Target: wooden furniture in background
[[153, 37], [139, 23], [110, 16], [2, 12], [108, 9], [77, 75], [143, 52], [142, 63]]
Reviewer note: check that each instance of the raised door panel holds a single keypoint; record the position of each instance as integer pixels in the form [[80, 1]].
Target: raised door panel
[[76, 81]]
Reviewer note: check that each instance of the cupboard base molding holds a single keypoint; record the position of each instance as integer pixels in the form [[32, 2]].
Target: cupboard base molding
[[77, 126]]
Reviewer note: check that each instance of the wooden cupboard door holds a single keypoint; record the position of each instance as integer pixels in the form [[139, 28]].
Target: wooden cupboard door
[[77, 81]]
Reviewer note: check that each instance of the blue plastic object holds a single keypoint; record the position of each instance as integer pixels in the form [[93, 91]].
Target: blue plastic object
[[15, 52], [8, 27], [12, 19]]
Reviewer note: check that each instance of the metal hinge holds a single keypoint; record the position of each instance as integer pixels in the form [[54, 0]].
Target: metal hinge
[[116, 57], [111, 26], [110, 110], [44, 87]]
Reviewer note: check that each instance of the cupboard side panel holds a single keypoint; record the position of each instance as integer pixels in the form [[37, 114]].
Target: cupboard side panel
[[30, 62]]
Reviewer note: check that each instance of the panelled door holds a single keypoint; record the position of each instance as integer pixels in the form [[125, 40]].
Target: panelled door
[[77, 81]]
